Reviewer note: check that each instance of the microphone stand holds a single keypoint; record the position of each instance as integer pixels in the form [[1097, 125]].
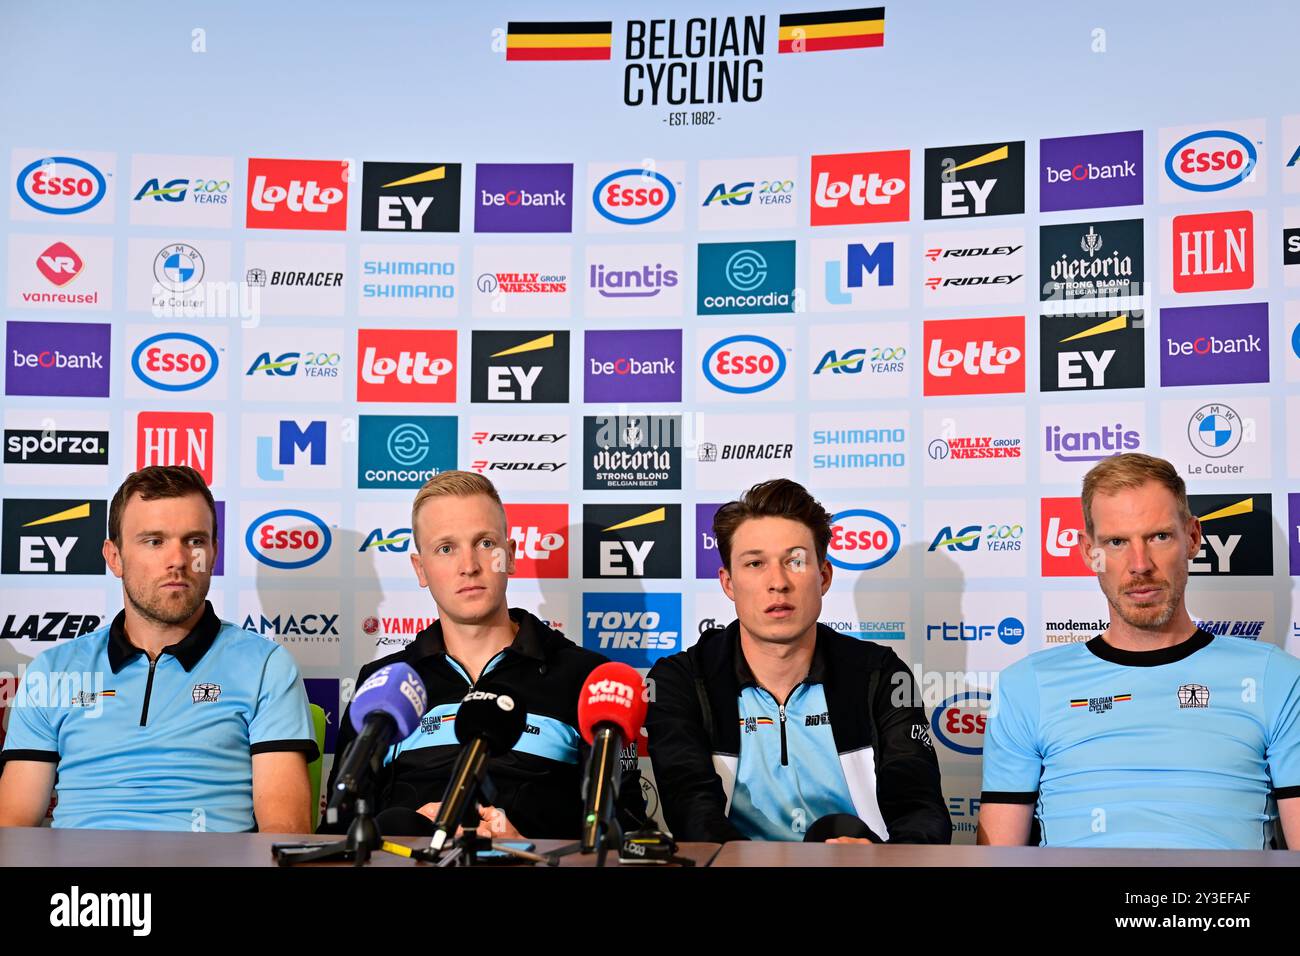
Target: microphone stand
[[363, 838]]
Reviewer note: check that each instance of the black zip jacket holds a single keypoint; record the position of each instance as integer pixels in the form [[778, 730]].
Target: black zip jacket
[[694, 723], [541, 796]]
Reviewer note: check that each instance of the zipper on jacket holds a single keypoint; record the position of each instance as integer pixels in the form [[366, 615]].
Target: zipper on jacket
[[785, 761], [148, 689]]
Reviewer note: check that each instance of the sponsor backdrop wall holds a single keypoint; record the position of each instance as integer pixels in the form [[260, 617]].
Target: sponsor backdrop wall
[[932, 261]]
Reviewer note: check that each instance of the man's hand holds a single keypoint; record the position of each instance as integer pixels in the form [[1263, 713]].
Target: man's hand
[[494, 822], [850, 840]]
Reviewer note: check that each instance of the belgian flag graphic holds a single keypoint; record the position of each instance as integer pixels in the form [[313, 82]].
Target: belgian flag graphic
[[571, 40], [832, 30]]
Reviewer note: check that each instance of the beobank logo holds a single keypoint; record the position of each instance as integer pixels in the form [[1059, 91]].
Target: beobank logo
[[297, 194], [851, 188], [1062, 523], [975, 356], [406, 365], [541, 537]]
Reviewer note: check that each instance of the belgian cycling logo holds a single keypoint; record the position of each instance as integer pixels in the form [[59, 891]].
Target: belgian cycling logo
[[207, 693], [1099, 705], [1193, 695], [750, 725]]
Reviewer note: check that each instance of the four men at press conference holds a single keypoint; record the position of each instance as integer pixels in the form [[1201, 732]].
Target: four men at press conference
[[1154, 733]]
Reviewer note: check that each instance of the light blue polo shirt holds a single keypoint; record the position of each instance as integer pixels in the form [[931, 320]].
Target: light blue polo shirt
[[163, 745], [1189, 746]]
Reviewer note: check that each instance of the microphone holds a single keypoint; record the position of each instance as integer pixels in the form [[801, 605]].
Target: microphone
[[611, 711], [387, 707], [487, 725]]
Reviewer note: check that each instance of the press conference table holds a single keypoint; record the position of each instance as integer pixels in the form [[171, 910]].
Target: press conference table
[[92, 848]]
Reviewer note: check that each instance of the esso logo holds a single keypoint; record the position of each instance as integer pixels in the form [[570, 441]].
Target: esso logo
[[862, 539], [958, 723], [1211, 160], [634, 197], [744, 364], [175, 361], [61, 185], [288, 539]]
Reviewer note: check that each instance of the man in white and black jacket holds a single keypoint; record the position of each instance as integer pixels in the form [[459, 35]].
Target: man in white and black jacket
[[769, 725]]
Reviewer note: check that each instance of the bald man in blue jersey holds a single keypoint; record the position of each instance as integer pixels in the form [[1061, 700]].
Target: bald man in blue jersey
[[1154, 733]]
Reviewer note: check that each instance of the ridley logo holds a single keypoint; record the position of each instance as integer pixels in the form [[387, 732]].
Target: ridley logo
[[59, 263], [297, 194]]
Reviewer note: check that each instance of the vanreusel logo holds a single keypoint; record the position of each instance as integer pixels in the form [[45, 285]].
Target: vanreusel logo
[[523, 197], [1202, 162], [853, 188], [404, 451], [57, 358], [626, 452], [645, 196], [59, 274], [983, 180], [1237, 534], [176, 438], [975, 356], [1091, 352], [1087, 172], [53, 536], [410, 197], [1080, 262], [636, 541], [1213, 252], [399, 365], [1214, 344], [298, 194], [74, 186], [520, 367], [745, 278]]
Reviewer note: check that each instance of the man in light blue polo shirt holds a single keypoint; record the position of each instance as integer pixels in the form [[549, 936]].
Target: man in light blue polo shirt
[[1155, 733], [169, 718]]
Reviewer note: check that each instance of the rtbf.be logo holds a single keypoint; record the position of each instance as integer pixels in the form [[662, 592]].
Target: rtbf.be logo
[[298, 194], [975, 356]]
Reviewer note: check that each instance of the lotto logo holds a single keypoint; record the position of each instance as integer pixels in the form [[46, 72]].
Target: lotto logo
[[975, 356], [399, 365], [297, 194], [1062, 524], [853, 188]]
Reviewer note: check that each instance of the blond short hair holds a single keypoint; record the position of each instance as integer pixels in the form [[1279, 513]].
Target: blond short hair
[[1132, 470], [454, 484]]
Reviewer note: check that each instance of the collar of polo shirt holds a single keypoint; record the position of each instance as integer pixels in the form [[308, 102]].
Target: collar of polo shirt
[[527, 641], [189, 650], [816, 671]]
